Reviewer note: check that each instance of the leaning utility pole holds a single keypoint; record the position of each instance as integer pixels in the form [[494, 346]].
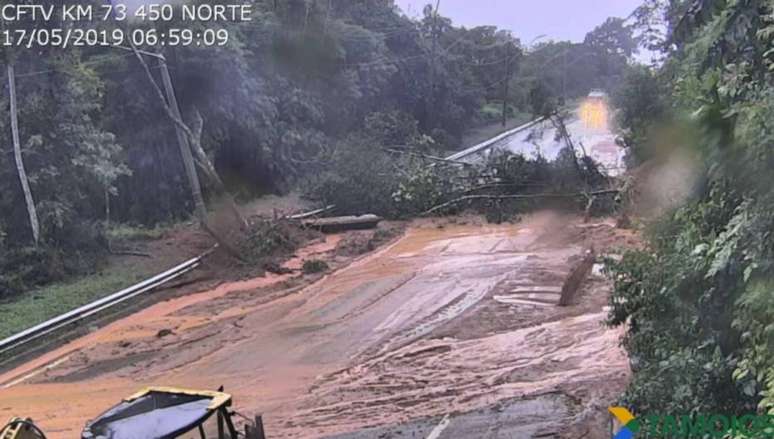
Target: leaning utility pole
[[31, 211], [182, 141], [170, 105]]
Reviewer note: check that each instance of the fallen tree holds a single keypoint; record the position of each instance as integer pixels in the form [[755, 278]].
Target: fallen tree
[[588, 195]]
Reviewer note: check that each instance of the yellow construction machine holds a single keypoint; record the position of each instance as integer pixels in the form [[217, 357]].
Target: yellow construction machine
[[157, 413]]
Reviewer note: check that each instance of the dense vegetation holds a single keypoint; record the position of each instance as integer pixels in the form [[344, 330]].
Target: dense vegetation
[[296, 95], [697, 302]]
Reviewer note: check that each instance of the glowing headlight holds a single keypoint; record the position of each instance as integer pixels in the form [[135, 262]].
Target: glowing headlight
[[593, 113]]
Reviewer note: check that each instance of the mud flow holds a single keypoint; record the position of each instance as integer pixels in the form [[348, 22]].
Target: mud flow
[[452, 331]]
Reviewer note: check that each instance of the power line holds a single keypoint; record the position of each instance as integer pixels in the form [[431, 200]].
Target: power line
[[493, 63], [43, 72]]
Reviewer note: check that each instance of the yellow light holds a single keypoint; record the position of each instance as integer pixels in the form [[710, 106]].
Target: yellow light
[[593, 113]]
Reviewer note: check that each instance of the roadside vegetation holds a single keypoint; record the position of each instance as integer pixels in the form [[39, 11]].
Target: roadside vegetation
[[697, 304], [40, 304], [128, 233], [314, 266]]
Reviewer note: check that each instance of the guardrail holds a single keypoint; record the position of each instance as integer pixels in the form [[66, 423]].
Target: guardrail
[[92, 308], [490, 142]]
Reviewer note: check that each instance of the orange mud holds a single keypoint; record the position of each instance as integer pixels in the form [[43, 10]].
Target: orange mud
[[160, 315], [409, 331]]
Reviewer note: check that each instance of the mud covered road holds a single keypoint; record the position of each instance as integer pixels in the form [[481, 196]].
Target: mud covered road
[[451, 331]]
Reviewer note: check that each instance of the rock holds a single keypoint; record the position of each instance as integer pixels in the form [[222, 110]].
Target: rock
[[164, 333]]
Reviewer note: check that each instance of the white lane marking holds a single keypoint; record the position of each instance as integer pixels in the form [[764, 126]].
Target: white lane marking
[[509, 300], [36, 372], [436, 433], [537, 289]]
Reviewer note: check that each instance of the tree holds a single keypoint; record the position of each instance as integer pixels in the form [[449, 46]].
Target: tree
[[17, 153], [641, 106], [613, 38]]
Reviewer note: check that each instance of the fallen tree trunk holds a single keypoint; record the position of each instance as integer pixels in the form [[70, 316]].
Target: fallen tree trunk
[[130, 253], [337, 224], [574, 281]]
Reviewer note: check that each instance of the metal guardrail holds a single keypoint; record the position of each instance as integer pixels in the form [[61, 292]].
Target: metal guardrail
[[490, 142], [92, 308]]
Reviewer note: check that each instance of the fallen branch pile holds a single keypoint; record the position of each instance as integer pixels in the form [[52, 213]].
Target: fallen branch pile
[[588, 195]]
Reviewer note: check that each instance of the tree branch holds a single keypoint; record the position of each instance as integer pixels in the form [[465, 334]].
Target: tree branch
[[516, 197]]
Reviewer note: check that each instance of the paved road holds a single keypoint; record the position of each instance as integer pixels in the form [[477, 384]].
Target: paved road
[[542, 139], [452, 322], [518, 418]]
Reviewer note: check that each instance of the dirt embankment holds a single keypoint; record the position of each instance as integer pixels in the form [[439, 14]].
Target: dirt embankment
[[454, 321]]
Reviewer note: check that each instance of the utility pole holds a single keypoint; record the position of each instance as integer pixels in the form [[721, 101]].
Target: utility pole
[[29, 201], [182, 141], [327, 15], [187, 141], [564, 74], [506, 82], [173, 110], [434, 35]]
